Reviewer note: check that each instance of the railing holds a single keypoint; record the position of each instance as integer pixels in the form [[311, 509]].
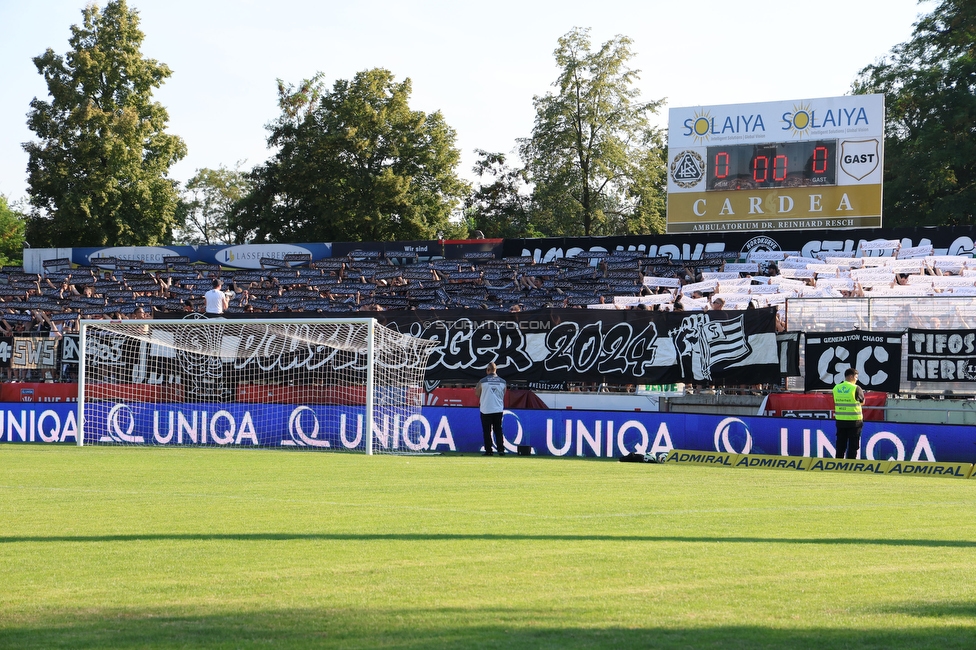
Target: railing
[[887, 314]]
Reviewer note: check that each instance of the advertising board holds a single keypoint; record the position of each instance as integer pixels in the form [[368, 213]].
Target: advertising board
[[569, 433]]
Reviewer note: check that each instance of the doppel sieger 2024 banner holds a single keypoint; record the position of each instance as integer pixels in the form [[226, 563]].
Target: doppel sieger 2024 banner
[[599, 345]]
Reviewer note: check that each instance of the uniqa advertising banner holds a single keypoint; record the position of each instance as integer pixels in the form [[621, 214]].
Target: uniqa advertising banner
[[570, 433]]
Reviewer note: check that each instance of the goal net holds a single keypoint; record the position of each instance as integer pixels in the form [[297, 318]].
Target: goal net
[[339, 384]]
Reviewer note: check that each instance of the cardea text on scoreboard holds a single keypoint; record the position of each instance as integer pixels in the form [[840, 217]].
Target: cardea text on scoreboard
[[789, 165]]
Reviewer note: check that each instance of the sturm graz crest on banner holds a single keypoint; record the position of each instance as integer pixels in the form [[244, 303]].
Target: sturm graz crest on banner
[[875, 355], [703, 345]]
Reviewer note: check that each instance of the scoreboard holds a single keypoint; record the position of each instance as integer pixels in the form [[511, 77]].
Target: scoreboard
[[797, 165], [784, 164]]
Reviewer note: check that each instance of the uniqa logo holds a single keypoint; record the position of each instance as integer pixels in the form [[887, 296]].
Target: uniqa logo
[[518, 436], [118, 417], [728, 429], [296, 428]]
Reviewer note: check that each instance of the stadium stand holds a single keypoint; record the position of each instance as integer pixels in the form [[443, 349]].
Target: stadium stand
[[50, 303], [370, 281]]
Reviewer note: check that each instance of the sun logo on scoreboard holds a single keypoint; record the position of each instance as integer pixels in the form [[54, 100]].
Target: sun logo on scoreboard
[[701, 126], [800, 120]]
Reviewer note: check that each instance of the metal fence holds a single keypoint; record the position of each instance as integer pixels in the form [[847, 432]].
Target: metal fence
[[885, 314]]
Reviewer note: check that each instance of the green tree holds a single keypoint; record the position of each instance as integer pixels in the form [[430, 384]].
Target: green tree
[[353, 163], [11, 233], [590, 156], [98, 172], [648, 191], [208, 201], [929, 85], [499, 205]]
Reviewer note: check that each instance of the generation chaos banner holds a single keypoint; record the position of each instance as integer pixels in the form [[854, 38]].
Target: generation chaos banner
[[875, 355]]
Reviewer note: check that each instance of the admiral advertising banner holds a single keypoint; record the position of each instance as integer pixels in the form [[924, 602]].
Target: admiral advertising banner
[[602, 434], [941, 355], [875, 355], [620, 347], [804, 164]]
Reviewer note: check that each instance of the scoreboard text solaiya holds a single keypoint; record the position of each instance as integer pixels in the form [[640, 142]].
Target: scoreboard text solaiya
[[805, 164]]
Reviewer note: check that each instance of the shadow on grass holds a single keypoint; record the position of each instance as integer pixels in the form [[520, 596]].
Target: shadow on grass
[[933, 610], [490, 537], [438, 629]]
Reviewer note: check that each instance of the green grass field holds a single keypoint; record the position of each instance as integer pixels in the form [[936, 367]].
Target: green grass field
[[221, 548]]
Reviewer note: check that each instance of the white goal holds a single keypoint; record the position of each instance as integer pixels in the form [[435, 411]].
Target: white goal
[[339, 384]]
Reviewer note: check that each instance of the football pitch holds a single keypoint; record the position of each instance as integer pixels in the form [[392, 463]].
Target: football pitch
[[230, 548]]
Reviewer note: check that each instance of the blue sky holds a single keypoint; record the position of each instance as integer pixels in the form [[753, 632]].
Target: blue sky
[[480, 64]]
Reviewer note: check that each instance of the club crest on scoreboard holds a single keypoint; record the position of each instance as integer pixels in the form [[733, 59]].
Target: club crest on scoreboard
[[688, 169]]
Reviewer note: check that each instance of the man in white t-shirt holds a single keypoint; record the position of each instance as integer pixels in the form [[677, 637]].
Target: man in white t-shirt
[[491, 395], [216, 300]]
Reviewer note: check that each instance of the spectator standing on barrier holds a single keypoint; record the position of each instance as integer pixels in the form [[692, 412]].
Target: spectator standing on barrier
[[848, 397], [216, 300], [491, 395]]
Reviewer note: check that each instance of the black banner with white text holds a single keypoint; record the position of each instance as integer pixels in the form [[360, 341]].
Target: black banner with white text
[[875, 355], [619, 347], [941, 355]]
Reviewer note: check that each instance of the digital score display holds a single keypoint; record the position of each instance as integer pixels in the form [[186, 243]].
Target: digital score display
[[811, 163]]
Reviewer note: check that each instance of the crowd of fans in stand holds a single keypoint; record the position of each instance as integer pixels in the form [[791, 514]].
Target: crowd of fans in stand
[[118, 288], [52, 302]]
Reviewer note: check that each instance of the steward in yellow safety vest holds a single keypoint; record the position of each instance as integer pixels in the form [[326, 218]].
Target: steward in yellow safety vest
[[848, 397], [846, 406]]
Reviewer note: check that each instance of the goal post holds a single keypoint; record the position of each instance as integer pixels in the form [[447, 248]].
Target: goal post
[[341, 384]]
